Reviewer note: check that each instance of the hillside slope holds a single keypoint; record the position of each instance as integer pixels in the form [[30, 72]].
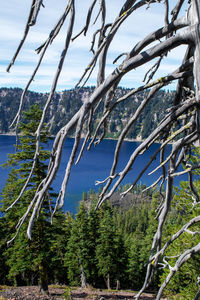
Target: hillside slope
[[66, 103]]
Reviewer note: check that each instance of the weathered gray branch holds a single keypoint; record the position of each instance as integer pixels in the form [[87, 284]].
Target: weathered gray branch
[[35, 7]]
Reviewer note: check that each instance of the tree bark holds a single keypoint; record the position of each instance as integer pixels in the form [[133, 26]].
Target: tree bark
[[83, 278], [118, 285], [108, 282], [197, 295], [43, 283]]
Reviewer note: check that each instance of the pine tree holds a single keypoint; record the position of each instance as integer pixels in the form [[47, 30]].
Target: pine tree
[[136, 265], [77, 255], [28, 261], [60, 234], [80, 256], [110, 250], [184, 282], [71, 260], [3, 246], [93, 234]]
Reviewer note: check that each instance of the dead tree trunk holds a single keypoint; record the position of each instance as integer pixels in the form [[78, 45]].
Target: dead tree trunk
[[108, 282], [83, 277]]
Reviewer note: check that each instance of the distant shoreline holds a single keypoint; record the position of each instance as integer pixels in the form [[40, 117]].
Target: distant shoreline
[[8, 134], [111, 139]]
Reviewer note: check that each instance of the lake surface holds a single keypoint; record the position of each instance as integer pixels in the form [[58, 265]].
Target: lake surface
[[94, 165]]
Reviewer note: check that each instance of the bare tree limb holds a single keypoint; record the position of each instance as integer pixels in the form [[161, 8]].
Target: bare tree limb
[[35, 7]]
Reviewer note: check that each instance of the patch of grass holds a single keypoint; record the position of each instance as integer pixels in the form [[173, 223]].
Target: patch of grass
[[91, 288], [110, 291], [130, 291], [67, 293], [73, 288], [176, 297], [3, 287], [57, 286]]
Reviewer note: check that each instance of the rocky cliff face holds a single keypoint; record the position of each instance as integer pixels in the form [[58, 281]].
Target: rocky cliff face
[[66, 103]]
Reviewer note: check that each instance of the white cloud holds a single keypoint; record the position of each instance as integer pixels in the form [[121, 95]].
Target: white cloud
[[13, 16]]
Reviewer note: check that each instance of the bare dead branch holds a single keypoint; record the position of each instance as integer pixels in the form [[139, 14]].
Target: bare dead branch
[[194, 192], [145, 145], [176, 9], [35, 7], [85, 29], [166, 12], [181, 260], [88, 135]]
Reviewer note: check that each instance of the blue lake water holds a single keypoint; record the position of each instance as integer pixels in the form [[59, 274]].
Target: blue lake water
[[94, 165]]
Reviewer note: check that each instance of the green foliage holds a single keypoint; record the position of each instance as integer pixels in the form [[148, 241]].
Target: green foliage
[[80, 254], [3, 235], [67, 293], [77, 249], [184, 281], [136, 265], [110, 250], [60, 233], [28, 261]]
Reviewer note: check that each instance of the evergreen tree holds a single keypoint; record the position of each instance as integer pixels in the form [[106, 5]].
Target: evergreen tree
[[184, 282], [78, 257], [93, 234], [28, 261], [110, 250], [60, 234], [3, 246], [149, 234], [136, 264]]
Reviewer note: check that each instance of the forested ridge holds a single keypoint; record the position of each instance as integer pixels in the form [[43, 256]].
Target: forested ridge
[[65, 104], [106, 248]]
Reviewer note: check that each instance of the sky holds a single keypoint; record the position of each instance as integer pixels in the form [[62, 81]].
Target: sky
[[13, 16]]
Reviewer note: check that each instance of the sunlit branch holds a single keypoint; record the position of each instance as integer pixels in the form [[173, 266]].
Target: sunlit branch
[[181, 260], [35, 7]]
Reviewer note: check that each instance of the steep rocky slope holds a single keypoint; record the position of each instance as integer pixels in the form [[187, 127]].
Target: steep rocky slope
[[66, 103]]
